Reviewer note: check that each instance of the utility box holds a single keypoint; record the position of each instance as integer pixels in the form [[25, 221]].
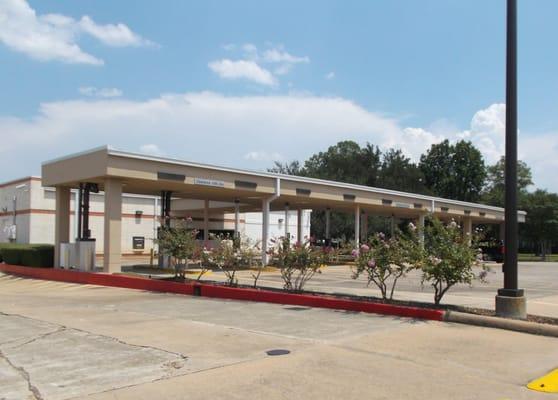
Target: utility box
[[79, 255], [66, 255], [85, 260]]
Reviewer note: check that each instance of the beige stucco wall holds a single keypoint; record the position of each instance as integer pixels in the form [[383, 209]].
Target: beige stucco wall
[[36, 216]]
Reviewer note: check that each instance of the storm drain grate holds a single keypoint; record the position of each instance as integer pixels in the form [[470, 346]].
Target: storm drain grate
[[277, 352]]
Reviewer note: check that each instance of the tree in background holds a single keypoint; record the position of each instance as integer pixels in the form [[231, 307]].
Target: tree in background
[[494, 190], [397, 172], [346, 162], [541, 224], [287, 168], [454, 171]]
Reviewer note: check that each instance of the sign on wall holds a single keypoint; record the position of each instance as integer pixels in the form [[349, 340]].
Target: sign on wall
[[138, 242]]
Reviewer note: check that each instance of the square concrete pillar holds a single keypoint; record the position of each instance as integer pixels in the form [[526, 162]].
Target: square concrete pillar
[[265, 230], [421, 227], [62, 221], [287, 220], [468, 229], [113, 226], [364, 227], [206, 222], [299, 234], [357, 226], [327, 223]]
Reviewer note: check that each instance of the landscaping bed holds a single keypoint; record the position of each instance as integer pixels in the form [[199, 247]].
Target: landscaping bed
[[370, 299]]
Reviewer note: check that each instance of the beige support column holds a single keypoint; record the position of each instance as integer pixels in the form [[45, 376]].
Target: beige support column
[[265, 231], [364, 231], [468, 228], [287, 231], [299, 235], [357, 225], [327, 223], [62, 221], [205, 222], [420, 228], [113, 226], [237, 218]]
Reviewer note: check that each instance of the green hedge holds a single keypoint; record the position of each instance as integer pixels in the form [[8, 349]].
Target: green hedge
[[29, 255]]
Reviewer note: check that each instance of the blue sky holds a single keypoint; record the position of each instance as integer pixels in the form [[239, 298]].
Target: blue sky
[[247, 82]]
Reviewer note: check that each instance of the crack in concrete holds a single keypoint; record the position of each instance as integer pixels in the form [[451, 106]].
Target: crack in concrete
[[61, 328], [33, 339], [25, 375]]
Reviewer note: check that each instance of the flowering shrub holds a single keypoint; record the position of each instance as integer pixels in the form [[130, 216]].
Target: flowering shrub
[[178, 242], [386, 260], [298, 263], [450, 258], [229, 256]]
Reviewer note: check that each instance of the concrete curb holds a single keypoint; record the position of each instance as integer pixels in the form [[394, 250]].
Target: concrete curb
[[224, 292], [534, 328], [278, 297]]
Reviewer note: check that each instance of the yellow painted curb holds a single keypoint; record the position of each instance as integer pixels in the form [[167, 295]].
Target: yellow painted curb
[[547, 383], [196, 272]]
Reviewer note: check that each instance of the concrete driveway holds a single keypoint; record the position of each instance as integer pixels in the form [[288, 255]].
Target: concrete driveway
[[63, 341]]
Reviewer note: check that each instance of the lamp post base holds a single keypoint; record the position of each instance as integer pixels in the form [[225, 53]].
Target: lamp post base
[[511, 305]]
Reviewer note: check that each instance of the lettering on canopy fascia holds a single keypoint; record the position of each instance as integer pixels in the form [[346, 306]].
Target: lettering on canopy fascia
[[209, 182], [303, 192], [402, 205], [169, 176], [245, 184], [349, 197]]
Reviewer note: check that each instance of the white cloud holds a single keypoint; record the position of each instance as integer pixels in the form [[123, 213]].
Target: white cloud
[[241, 131], [330, 75], [263, 156], [100, 92], [280, 56], [116, 35], [277, 62], [242, 69], [53, 37], [151, 149]]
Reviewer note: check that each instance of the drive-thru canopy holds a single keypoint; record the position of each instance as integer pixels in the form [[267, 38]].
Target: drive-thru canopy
[[235, 190]]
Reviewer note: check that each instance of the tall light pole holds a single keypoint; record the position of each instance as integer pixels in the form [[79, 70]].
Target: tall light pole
[[510, 301]]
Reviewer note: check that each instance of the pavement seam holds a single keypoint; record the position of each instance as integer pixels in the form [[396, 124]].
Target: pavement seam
[[164, 378], [423, 364], [34, 338], [88, 333]]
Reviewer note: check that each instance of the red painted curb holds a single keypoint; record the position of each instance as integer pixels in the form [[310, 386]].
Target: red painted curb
[[223, 292]]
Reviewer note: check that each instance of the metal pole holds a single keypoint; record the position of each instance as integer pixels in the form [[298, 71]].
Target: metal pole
[[511, 241]]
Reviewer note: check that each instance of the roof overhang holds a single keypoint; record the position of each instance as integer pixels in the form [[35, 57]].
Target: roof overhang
[[149, 175]]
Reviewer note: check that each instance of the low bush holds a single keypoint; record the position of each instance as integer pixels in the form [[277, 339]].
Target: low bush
[[29, 255], [450, 257], [385, 260], [298, 263]]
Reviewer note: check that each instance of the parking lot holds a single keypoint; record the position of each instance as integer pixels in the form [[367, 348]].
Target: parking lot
[[62, 341]]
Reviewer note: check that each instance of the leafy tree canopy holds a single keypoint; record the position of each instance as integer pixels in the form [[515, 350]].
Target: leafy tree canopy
[[494, 190], [454, 171]]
